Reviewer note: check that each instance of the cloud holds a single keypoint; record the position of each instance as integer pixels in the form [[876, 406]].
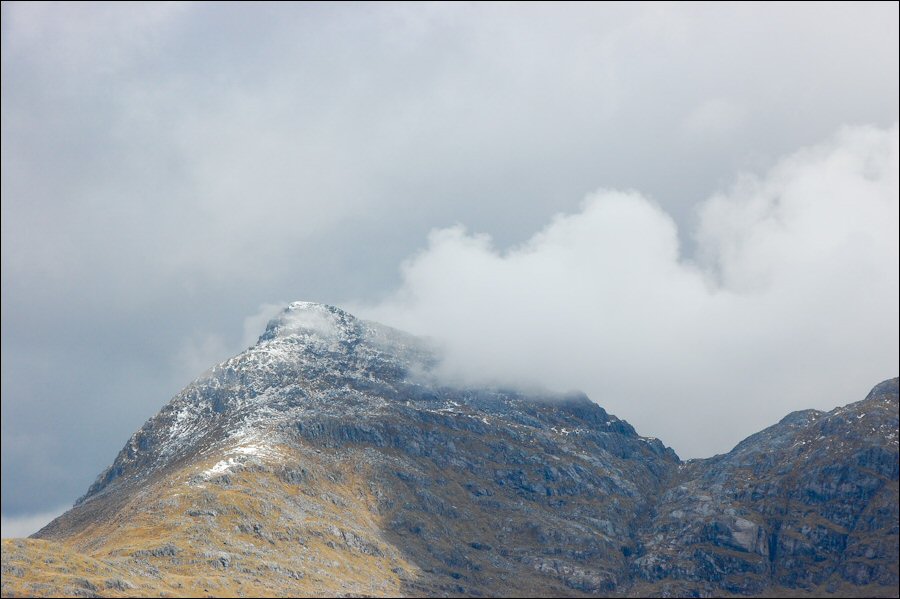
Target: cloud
[[28, 524], [791, 303]]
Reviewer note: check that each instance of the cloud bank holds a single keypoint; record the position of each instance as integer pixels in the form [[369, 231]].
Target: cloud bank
[[791, 302]]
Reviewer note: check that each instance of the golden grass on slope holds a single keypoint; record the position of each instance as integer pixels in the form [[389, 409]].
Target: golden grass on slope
[[44, 568], [244, 533]]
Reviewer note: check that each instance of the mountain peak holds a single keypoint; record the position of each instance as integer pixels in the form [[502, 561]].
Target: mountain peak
[[305, 319], [887, 390], [305, 306], [327, 459]]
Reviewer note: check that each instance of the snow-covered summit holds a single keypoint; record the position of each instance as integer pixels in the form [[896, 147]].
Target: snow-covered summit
[[316, 365], [311, 359], [311, 319]]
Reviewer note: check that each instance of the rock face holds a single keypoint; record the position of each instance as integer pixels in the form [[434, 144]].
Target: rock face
[[326, 459], [808, 503]]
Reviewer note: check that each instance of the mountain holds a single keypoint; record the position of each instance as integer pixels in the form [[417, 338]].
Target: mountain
[[328, 459]]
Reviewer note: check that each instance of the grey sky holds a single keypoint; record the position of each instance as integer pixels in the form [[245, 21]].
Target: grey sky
[[169, 172]]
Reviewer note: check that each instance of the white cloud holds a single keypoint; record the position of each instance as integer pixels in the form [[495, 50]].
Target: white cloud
[[23, 526], [794, 303]]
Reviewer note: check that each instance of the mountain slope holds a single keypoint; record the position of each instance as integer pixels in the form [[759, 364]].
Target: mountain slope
[[327, 460], [809, 502]]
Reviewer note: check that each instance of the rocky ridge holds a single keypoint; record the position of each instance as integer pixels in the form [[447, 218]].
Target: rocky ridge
[[327, 459]]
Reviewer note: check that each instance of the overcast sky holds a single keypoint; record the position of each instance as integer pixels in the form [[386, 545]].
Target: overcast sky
[[687, 211]]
